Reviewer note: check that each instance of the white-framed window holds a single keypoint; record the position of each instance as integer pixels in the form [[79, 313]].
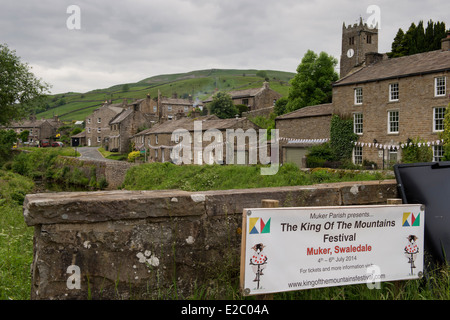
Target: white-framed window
[[438, 153], [439, 86], [438, 119], [358, 95], [89, 120], [186, 109], [89, 130], [99, 120], [155, 108], [358, 123], [357, 155], [169, 108], [99, 139], [156, 139], [393, 92], [393, 121], [99, 130]]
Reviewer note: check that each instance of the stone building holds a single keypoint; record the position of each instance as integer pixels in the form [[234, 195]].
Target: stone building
[[392, 100], [123, 126], [254, 99], [301, 129], [158, 139], [396, 100], [38, 129], [163, 109], [97, 124]]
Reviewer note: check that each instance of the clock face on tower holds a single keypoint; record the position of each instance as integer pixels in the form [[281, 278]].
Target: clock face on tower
[[350, 53]]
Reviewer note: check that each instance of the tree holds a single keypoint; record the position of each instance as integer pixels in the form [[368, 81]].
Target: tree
[[125, 88], [399, 46], [222, 106], [7, 140], [23, 136], [261, 74], [20, 91], [280, 106], [312, 83], [418, 39]]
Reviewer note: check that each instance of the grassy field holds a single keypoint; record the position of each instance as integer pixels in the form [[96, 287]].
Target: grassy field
[[154, 176], [198, 84]]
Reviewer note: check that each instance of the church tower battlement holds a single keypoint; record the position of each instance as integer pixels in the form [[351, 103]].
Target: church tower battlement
[[357, 41]]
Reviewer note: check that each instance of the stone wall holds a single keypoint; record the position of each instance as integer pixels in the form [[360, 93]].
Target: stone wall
[[155, 244], [113, 171]]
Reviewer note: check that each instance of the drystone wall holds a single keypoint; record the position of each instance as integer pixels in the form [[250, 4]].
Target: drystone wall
[[155, 244]]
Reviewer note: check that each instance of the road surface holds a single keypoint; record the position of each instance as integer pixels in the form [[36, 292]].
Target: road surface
[[91, 153]]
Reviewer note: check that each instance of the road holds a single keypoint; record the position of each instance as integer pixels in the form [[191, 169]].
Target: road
[[91, 153]]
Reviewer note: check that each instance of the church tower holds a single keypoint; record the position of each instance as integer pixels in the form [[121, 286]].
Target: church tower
[[357, 41]]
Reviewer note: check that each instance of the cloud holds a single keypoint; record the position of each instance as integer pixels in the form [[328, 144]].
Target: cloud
[[128, 41]]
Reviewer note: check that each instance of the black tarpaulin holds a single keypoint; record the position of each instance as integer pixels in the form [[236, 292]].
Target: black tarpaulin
[[429, 184]]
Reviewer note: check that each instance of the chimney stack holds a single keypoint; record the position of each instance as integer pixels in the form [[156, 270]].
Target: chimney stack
[[445, 43]]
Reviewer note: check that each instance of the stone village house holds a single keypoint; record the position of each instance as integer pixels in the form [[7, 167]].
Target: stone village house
[[38, 129], [157, 141], [123, 126], [254, 99], [100, 131], [390, 100], [97, 124]]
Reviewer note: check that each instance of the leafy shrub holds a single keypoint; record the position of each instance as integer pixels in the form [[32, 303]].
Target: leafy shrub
[[341, 136], [413, 153], [133, 156]]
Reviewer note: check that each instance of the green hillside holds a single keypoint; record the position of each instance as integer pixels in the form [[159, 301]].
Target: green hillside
[[198, 84]]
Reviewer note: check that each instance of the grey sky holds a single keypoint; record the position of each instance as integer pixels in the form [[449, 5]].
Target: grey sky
[[128, 41]]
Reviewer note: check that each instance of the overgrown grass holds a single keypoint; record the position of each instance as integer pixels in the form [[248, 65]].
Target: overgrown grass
[[160, 176], [112, 155], [16, 239], [54, 165]]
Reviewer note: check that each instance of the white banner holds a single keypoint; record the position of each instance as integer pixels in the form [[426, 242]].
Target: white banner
[[286, 249]]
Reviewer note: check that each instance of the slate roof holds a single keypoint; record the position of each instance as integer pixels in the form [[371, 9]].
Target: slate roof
[[393, 68], [237, 94], [310, 111], [121, 116], [32, 123]]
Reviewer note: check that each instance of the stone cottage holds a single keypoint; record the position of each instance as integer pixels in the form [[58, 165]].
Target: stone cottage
[[124, 126], [97, 124], [254, 99], [301, 129], [160, 140], [38, 129], [174, 108]]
